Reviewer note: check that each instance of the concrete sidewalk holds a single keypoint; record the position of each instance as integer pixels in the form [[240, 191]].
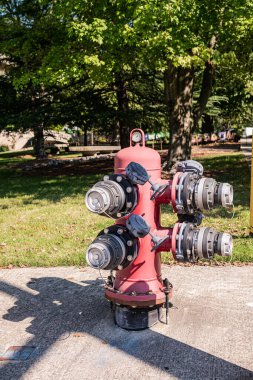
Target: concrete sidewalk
[[61, 316]]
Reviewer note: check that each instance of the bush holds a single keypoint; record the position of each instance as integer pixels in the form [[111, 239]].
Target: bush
[[52, 150], [4, 148]]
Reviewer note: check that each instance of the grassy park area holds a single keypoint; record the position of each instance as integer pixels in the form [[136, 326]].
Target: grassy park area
[[44, 222], [87, 74]]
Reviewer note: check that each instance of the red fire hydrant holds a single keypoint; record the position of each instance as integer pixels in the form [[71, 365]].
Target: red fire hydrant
[[131, 248]]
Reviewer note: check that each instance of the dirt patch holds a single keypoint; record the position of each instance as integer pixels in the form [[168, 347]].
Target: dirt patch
[[215, 149], [27, 156]]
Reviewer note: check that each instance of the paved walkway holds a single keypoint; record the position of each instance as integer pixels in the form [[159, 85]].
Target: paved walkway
[[61, 317]]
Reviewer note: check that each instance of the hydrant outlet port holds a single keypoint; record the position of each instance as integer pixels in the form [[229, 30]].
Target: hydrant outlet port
[[198, 243], [193, 193], [224, 194], [224, 244], [105, 197], [114, 195], [112, 250]]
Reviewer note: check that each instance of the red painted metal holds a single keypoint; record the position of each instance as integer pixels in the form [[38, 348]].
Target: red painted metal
[[140, 284], [147, 157]]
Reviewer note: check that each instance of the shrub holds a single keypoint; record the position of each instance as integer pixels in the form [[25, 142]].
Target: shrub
[[4, 148]]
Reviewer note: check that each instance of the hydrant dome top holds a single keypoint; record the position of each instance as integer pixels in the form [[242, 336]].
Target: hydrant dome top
[[139, 153], [143, 155]]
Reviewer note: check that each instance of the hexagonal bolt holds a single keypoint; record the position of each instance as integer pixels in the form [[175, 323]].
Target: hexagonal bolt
[[119, 178], [128, 189]]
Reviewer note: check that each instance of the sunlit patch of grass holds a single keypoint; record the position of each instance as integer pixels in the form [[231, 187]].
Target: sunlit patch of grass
[[43, 220]]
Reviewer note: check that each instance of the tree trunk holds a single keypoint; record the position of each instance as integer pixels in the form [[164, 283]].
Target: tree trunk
[[178, 83], [116, 134], [207, 124], [39, 146], [85, 136], [206, 85], [123, 110], [205, 92]]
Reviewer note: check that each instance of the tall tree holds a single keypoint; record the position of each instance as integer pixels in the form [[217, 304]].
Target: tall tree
[[98, 46], [190, 40], [114, 45], [27, 31]]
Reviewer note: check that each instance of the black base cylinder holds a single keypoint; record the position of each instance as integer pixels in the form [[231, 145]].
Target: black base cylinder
[[136, 318]]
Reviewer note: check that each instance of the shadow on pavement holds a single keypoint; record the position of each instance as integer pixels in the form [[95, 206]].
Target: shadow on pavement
[[62, 307]]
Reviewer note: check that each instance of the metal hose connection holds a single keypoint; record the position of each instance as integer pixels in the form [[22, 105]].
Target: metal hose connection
[[195, 192], [114, 248], [201, 243], [208, 194], [114, 196]]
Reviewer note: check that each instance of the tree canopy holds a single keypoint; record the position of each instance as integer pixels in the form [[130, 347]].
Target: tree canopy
[[149, 63]]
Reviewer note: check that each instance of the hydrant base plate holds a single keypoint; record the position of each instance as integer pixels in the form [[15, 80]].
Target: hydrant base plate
[[136, 318]]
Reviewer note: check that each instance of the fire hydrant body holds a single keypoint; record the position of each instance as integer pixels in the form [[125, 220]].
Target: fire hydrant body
[[140, 283], [132, 247]]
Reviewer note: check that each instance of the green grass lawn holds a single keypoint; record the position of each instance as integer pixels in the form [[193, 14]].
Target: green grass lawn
[[43, 220]]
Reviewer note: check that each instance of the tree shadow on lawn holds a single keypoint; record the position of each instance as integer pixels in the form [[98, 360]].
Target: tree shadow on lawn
[[62, 308], [54, 184], [51, 184], [228, 166], [227, 214]]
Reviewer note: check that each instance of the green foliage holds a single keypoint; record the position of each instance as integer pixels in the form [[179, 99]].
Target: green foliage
[[4, 148], [136, 37], [64, 59]]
